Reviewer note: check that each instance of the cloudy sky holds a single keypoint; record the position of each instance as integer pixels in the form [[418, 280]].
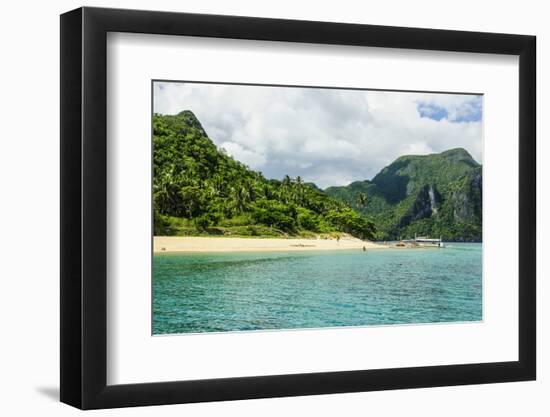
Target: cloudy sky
[[327, 136]]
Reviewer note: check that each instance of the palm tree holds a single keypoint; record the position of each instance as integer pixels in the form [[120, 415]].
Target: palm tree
[[361, 199], [287, 181], [191, 201], [250, 191], [165, 191], [285, 190], [267, 191], [210, 189], [299, 188], [241, 198]]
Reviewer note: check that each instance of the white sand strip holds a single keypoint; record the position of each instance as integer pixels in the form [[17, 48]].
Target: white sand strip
[[236, 244]]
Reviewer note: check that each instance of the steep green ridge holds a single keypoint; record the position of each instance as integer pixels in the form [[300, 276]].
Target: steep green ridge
[[199, 189], [434, 195]]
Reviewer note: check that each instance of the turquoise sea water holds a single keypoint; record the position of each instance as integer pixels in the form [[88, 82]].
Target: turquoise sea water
[[221, 292]]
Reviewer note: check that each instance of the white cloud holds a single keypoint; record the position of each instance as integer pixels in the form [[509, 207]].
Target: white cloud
[[330, 137], [253, 159]]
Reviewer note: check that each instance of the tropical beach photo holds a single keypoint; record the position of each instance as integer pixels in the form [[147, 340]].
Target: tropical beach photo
[[278, 207]]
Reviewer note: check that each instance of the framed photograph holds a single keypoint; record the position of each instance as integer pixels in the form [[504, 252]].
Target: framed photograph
[[257, 208]]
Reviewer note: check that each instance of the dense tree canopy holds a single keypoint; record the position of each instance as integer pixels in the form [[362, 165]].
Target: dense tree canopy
[[431, 195], [200, 189]]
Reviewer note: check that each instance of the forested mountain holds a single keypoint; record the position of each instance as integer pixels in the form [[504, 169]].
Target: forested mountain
[[432, 195], [200, 189]]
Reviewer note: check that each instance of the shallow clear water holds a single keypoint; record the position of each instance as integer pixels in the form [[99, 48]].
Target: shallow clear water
[[220, 292]]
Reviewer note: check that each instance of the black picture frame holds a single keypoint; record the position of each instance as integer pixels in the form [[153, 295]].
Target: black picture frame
[[84, 207]]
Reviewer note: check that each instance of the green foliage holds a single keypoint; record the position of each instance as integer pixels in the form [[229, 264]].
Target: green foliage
[[275, 214], [434, 195], [199, 189], [307, 220], [352, 222]]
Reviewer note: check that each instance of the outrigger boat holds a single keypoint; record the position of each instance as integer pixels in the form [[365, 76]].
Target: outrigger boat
[[424, 242]]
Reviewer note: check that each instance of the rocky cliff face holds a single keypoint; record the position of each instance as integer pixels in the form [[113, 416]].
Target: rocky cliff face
[[427, 203], [436, 195], [467, 200]]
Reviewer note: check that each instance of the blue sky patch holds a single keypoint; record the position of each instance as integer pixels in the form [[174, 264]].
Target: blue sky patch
[[432, 111], [469, 110]]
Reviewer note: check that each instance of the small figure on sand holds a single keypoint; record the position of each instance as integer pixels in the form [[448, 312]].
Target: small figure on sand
[[364, 249]]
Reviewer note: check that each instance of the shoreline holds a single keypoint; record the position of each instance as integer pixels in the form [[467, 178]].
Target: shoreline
[[167, 244]]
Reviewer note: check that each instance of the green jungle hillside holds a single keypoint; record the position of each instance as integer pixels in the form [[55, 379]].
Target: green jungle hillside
[[199, 189], [431, 195]]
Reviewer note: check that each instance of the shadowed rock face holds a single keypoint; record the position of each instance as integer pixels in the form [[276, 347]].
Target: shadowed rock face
[[426, 204], [467, 202], [438, 194]]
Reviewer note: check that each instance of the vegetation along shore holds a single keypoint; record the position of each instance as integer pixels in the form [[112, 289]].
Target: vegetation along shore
[[201, 191]]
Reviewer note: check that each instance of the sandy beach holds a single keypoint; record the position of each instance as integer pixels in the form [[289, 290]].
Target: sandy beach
[[236, 244]]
